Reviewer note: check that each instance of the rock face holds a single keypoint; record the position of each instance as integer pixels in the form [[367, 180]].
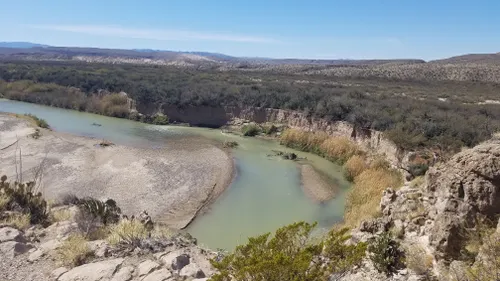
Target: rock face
[[369, 140], [434, 213], [466, 186], [93, 271]]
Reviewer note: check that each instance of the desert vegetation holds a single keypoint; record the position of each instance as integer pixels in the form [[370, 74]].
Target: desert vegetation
[[413, 113], [291, 254], [370, 177]]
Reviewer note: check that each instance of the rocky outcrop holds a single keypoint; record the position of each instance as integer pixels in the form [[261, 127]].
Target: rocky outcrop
[[435, 213]]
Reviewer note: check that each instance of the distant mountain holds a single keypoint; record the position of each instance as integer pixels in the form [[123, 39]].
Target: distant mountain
[[21, 45], [472, 58]]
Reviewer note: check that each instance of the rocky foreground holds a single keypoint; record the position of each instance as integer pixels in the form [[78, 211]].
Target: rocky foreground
[[34, 255], [447, 223]]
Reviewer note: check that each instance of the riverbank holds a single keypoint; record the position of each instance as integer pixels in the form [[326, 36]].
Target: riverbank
[[173, 183]]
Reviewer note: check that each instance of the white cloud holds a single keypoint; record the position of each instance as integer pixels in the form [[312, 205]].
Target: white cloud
[[155, 34]]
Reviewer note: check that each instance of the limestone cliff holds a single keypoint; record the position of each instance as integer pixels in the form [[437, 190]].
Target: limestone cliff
[[438, 214], [370, 140]]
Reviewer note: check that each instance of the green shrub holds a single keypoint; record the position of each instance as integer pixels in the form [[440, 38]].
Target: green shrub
[[22, 197], [250, 130], [160, 120], [106, 211], [290, 254], [39, 121], [386, 254]]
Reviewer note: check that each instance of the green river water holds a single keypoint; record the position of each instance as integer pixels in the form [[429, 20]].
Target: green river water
[[265, 194]]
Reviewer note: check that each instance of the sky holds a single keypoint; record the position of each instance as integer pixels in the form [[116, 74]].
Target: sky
[[329, 29]]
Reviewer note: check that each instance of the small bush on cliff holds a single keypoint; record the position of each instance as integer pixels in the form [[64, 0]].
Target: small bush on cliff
[[290, 254], [250, 130], [160, 120], [386, 254]]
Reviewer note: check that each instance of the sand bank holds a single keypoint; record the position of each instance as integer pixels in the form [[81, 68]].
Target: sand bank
[[172, 183]]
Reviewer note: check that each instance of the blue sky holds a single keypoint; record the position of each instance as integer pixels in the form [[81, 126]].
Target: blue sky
[[265, 28]]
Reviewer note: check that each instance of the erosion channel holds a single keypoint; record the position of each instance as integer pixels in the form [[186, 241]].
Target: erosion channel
[[266, 191]]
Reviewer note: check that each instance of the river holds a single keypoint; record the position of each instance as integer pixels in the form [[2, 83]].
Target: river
[[265, 194]]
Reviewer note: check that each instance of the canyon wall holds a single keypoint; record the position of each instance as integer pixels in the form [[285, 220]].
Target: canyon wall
[[370, 140]]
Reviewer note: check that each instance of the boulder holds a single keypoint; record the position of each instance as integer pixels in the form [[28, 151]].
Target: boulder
[[124, 274], [61, 229], [99, 247], [56, 273], [175, 260], [12, 249], [50, 245], [464, 187], [146, 267], [158, 275], [96, 271], [36, 255], [192, 270], [11, 234]]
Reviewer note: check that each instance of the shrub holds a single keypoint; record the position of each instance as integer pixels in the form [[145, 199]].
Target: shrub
[[290, 254], [106, 211], [39, 121], [74, 251], [250, 130], [386, 254], [270, 129], [363, 200], [160, 120], [354, 167], [22, 197], [230, 144]]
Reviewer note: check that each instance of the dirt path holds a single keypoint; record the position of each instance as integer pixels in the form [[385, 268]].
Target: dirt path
[[171, 183]]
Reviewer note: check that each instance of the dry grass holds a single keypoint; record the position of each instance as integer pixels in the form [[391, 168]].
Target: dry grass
[[74, 251], [4, 199], [339, 149], [60, 215], [418, 260], [302, 140], [127, 231], [354, 167], [364, 198], [19, 221], [487, 264], [417, 182]]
